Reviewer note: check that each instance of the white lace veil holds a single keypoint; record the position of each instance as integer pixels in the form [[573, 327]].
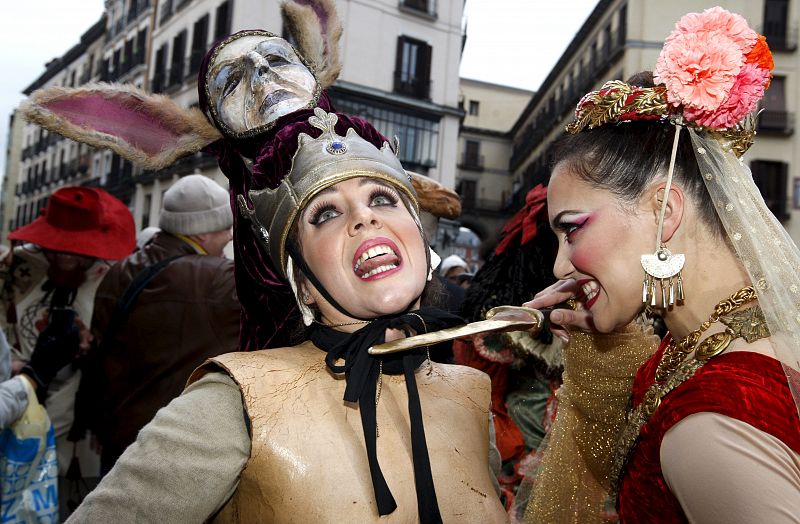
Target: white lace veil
[[762, 244]]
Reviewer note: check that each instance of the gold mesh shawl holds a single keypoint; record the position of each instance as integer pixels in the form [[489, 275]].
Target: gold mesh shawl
[[571, 483]]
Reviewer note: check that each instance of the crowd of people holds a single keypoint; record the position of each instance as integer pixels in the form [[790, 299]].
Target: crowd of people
[[182, 386]]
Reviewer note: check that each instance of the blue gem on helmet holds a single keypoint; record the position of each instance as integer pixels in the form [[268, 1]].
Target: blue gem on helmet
[[336, 148]]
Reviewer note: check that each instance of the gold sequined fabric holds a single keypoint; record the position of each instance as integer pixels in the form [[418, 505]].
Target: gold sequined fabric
[[571, 482]]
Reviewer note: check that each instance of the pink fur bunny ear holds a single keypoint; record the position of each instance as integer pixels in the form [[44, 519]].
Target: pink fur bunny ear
[[149, 130], [316, 28]]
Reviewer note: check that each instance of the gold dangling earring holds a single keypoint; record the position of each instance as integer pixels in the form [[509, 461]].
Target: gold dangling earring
[[663, 265]]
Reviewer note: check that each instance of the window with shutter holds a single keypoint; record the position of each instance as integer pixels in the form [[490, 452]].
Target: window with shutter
[[412, 68], [178, 60], [771, 178], [199, 42], [222, 21], [160, 71]]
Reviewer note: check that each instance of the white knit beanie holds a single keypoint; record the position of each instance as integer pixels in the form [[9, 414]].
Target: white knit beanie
[[450, 262], [195, 204]]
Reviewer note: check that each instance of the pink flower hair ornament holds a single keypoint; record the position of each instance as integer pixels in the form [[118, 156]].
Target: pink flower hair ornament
[[711, 73]]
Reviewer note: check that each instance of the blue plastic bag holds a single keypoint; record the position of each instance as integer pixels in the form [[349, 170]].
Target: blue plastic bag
[[29, 468]]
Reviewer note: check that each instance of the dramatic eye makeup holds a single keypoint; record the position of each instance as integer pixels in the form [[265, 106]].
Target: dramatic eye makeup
[[321, 212], [570, 223], [383, 196]]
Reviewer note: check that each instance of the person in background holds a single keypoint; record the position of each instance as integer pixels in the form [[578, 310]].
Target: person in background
[[453, 267], [14, 391], [144, 236], [187, 311], [49, 356], [525, 370], [49, 283]]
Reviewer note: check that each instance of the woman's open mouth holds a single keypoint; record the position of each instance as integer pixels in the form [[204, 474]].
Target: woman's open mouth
[[376, 258], [591, 292]]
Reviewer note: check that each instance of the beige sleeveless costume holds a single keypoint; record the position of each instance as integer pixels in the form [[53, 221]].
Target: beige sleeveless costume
[[308, 461]]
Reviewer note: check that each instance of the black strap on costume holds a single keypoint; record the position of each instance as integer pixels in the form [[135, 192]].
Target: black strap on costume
[[362, 372], [135, 288]]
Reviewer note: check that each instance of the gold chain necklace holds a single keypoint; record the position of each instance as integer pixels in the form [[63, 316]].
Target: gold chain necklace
[[676, 352], [354, 323], [674, 368]]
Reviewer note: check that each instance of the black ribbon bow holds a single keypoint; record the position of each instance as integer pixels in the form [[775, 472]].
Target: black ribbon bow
[[361, 373]]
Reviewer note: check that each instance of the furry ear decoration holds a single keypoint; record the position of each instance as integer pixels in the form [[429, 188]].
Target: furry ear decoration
[[149, 130], [316, 28]]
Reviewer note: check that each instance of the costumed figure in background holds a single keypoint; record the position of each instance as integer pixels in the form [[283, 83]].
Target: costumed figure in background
[[328, 222], [713, 434], [49, 284], [525, 370]]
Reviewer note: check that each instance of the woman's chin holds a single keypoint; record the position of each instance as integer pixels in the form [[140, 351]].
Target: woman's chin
[[609, 325], [393, 306]]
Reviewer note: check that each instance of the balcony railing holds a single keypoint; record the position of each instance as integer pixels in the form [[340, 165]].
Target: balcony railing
[[412, 86], [482, 204], [472, 162], [781, 36], [175, 74], [776, 122], [159, 81], [427, 7], [195, 58]]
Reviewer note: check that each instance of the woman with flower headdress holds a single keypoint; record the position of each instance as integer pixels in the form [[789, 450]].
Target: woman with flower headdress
[[713, 433], [324, 430]]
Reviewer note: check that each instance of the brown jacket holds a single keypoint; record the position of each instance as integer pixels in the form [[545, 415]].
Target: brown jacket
[[186, 314]]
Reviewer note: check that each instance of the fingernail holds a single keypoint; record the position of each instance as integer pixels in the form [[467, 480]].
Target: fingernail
[[556, 317], [564, 339]]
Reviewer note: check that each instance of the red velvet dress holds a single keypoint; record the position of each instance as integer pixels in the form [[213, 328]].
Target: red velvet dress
[[738, 385]]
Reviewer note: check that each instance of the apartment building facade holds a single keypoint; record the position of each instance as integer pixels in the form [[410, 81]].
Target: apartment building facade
[[38, 161], [484, 181], [623, 37], [400, 59]]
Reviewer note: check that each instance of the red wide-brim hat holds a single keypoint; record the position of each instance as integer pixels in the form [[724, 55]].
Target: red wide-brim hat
[[84, 221]]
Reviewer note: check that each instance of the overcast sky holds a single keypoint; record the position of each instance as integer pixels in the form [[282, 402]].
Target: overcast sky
[[511, 42]]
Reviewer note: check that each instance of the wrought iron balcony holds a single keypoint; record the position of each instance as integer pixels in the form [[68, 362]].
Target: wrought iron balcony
[[426, 7], [471, 161], [412, 86], [776, 122]]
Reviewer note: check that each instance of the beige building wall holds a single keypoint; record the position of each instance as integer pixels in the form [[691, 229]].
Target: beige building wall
[[498, 106]]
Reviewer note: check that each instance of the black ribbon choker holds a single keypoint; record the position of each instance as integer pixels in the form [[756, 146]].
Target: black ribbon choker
[[362, 371]]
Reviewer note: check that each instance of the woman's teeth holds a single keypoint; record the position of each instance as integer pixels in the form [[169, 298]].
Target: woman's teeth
[[379, 269], [590, 289], [372, 253]]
